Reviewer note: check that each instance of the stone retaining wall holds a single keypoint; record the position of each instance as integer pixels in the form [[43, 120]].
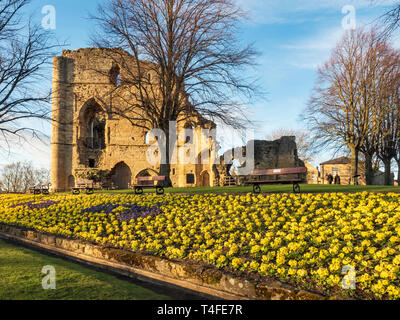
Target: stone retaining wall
[[205, 279]]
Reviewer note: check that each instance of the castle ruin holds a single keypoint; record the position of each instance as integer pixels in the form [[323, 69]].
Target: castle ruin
[[87, 136]]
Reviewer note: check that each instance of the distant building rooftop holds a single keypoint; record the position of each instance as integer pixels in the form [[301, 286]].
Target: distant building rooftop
[[341, 160]]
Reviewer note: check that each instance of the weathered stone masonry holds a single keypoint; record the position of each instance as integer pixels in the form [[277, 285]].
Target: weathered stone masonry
[[85, 133]]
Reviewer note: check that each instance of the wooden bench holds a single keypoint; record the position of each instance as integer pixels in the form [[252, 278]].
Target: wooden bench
[[85, 184], [258, 178], [149, 182], [43, 188], [35, 190]]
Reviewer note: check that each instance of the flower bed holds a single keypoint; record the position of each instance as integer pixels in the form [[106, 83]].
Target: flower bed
[[305, 240]]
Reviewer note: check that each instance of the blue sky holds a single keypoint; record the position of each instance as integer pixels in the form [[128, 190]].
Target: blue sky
[[294, 38]]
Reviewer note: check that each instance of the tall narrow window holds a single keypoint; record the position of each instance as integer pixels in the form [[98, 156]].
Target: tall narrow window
[[189, 133], [94, 130], [115, 76]]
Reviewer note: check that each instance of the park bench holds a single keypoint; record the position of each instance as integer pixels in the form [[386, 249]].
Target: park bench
[[259, 177], [43, 188], [149, 182], [85, 184]]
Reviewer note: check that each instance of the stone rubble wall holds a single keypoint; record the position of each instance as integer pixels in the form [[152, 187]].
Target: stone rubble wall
[[281, 153]]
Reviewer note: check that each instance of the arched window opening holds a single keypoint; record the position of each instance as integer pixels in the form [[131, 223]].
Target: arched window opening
[[205, 179], [143, 173], [96, 128], [147, 173], [189, 133], [115, 76], [94, 123], [149, 138]]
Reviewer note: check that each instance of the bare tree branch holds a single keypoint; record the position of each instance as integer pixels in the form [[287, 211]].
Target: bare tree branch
[[184, 59], [25, 50]]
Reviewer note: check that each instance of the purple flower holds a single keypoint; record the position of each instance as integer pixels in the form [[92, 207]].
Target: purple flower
[[132, 211], [33, 205]]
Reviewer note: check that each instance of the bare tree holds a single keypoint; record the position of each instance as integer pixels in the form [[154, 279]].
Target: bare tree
[[395, 128], [20, 176], [25, 49], [379, 81], [186, 60], [389, 119], [304, 141], [332, 110], [391, 19], [345, 108]]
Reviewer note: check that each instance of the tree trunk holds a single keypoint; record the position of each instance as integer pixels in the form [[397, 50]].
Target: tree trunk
[[354, 165], [165, 168], [369, 174], [387, 162], [398, 171]]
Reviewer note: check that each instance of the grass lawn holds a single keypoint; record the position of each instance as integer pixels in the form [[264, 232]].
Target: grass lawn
[[21, 279], [305, 188]]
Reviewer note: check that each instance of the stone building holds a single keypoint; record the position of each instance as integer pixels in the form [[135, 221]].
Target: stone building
[[342, 167], [89, 139]]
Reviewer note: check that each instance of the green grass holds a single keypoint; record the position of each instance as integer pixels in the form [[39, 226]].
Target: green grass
[[305, 188], [21, 279]]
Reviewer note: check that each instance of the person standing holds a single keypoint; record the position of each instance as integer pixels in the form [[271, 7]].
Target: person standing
[[337, 179]]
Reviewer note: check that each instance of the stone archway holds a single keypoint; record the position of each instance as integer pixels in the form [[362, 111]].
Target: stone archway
[[205, 179], [121, 175], [147, 173]]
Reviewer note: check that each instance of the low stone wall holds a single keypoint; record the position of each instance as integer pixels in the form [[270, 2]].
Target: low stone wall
[[205, 279]]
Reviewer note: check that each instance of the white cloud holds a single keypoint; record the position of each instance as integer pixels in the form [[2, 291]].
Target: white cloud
[[311, 52]]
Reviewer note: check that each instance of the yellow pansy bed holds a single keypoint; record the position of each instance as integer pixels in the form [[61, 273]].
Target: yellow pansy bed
[[304, 239]]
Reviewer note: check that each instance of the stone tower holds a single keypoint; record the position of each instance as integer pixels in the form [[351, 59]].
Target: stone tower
[[62, 114], [87, 138]]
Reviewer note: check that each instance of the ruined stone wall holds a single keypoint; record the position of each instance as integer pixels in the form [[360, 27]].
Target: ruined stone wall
[[281, 153], [83, 85]]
